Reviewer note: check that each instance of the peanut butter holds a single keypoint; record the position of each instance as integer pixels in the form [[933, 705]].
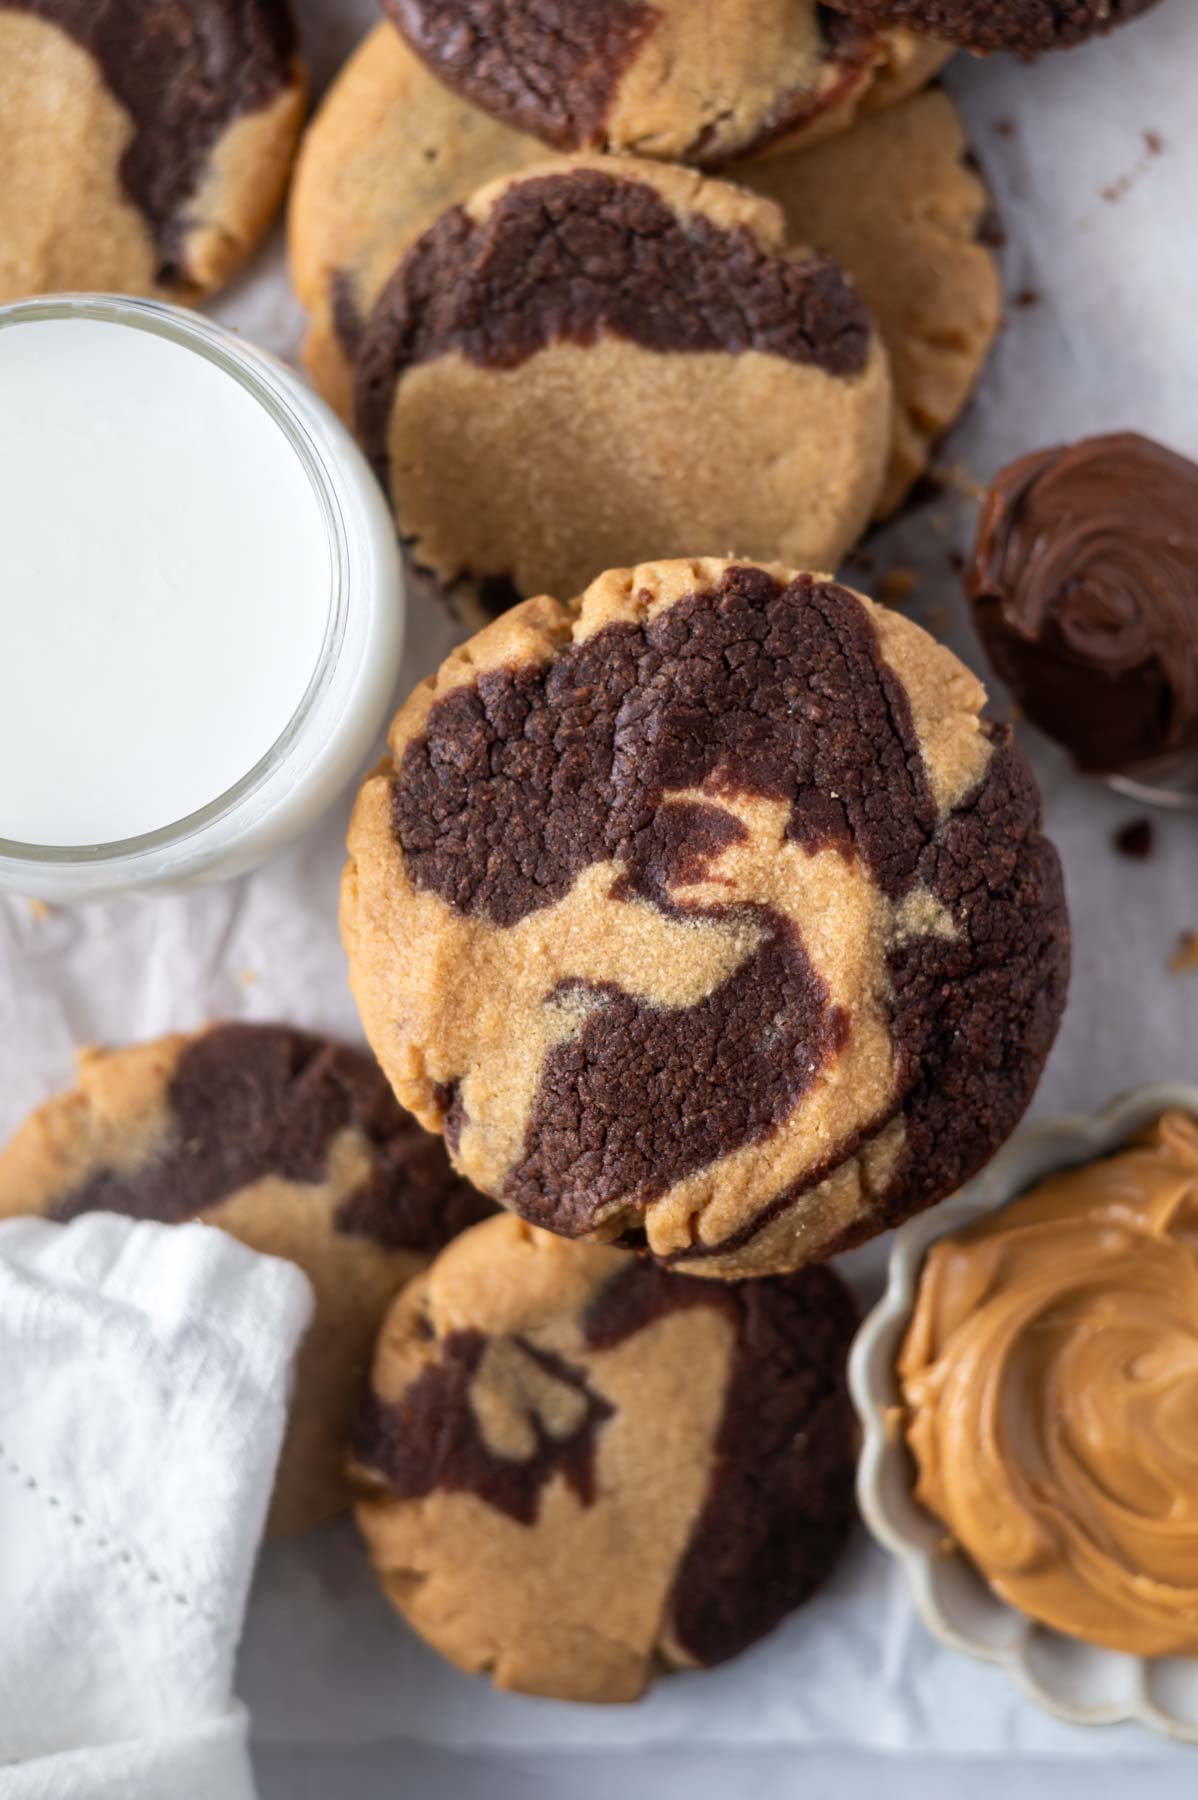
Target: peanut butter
[[1050, 1385]]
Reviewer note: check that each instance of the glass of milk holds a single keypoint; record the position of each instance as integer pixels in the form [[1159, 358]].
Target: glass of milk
[[201, 609]]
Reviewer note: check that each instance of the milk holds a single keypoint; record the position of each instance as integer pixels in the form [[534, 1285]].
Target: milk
[[164, 581]]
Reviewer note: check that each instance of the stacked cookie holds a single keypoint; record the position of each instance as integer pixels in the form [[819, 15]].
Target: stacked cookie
[[561, 364], [713, 927]]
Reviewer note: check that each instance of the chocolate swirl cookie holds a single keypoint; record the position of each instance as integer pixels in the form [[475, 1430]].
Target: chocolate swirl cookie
[[603, 359], [1024, 26], [895, 201], [654, 80], [145, 144], [1084, 585], [289, 1142], [578, 1469], [707, 906]]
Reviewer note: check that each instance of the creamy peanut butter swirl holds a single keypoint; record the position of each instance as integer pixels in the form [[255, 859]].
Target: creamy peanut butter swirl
[[1050, 1378]]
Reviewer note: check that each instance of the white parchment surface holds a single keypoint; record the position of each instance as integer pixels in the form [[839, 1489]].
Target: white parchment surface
[[1102, 230]]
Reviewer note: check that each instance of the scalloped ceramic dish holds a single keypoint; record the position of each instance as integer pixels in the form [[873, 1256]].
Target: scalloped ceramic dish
[[1078, 1682]]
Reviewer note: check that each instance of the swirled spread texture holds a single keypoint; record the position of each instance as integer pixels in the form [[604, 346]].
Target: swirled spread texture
[[1085, 591], [1050, 1377]]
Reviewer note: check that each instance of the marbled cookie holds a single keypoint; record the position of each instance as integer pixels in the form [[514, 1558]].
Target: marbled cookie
[[707, 906], [578, 1470], [603, 359], [899, 204], [144, 144], [1025, 26], [894, 200], [666, 78], [389, 150], [291, 1143]]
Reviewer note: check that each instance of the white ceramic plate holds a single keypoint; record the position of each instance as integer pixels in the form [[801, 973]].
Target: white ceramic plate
[[1078, 1682]]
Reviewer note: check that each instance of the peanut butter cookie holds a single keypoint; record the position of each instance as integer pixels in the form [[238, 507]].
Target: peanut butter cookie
[[289, 1142], [603, 359], [707, 907], [145, 144]]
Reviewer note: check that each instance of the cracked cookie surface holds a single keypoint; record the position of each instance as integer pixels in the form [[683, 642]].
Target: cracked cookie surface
[[708, 907]]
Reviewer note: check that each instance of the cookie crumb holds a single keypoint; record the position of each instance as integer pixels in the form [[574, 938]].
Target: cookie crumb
[[1184, 960], [1136, 839], [39, 909], [250, 977], [1005, 128], [897, 584], [1154, 145], [925, 490], [958, 481], [956, 562], [936, 620]]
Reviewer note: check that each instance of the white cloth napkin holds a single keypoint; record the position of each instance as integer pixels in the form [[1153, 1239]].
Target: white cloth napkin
[[144, 1379]]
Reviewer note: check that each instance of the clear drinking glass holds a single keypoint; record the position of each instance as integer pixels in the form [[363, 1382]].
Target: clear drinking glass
[[339, 715]]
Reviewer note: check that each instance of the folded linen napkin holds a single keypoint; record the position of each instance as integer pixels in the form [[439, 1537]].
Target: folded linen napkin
[[144, 1378]]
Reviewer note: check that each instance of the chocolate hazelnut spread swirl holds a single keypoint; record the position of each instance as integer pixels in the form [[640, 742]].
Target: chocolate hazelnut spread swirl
[[1050, 1380], [1084, 585]]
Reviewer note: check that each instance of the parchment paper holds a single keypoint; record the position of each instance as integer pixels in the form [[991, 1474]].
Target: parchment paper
[[1093, 157]]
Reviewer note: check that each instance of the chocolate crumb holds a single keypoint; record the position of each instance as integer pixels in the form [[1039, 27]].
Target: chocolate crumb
[[897, 584], [1154, 143], [924, 491], [1027, 296], [1005, 128], [1184, 960], [1135, 840]]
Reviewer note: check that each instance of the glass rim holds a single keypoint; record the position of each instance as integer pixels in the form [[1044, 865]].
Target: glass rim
[[219, 346]]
